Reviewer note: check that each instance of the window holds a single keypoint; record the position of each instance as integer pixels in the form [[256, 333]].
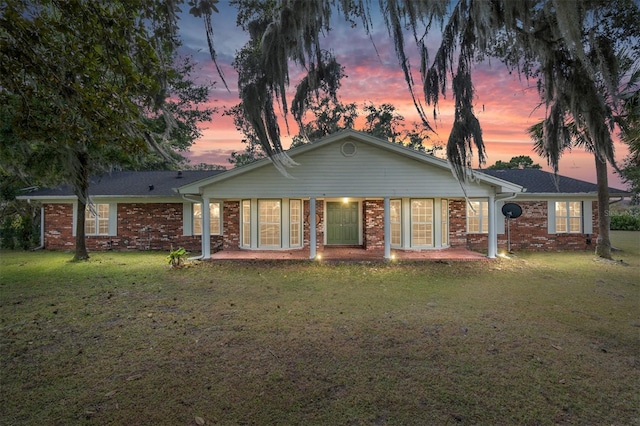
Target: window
[[97, 219], [568, 216], [295, 216], [478, 217], [246, 223], [269, 223], [396, 222], [421, 223], [444, 209], [214, 219]]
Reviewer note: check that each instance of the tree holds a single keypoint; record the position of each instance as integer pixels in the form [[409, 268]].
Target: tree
[[518, 162], [252, 151], [630, 135], [567, 46], [186, 105], [82, 86]]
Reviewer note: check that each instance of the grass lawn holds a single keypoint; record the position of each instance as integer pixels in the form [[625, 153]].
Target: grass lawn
[[537, 339]]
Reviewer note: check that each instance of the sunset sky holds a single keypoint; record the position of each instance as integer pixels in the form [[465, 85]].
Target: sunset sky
[[505, 104]]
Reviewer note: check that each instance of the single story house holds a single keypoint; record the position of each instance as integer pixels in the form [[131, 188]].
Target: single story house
[[348, 189]]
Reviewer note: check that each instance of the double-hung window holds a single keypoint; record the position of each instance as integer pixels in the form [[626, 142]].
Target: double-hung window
[[97, 219], [478, 217], [269, 223], [568, 217], [214, 219], [421, 222]]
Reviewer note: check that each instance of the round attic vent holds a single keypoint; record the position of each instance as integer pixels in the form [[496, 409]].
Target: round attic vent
[[348, 149]]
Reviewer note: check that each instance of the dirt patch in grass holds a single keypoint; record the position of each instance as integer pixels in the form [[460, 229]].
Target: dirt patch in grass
[[535, 339]]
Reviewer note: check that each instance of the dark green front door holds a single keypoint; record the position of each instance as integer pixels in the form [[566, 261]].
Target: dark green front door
[[342, 223]]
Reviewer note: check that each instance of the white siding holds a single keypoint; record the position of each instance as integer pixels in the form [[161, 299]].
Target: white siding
[[325, 172]]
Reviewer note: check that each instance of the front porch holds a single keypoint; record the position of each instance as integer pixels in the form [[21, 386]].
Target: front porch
[[352, 254]]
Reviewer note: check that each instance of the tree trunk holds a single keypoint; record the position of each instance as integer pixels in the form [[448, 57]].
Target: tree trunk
[[81, 188], [603, 242]]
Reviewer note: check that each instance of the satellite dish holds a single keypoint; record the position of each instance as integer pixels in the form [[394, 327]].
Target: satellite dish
[[511, 210]]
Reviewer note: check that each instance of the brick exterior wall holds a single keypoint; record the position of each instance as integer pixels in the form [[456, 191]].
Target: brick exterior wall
[[373, 222], [231, 217], [529, 232], [141, 226], [58, 227], [159, 226], [458, 224]]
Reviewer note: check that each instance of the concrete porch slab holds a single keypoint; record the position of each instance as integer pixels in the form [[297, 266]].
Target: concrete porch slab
[[351, 254]]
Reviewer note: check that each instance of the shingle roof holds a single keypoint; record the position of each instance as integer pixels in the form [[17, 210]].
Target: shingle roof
[[131, 183], [538, 181]]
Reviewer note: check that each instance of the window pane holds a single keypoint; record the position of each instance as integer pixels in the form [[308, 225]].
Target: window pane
[[561, 209], [574, 224], [97, 219], [395, 215], [90, 226], [478, 217], [295, 215], [421, 222], [444, 213], [269, 223], [197, 219], [246, 223], [568, 216], [214, 218]]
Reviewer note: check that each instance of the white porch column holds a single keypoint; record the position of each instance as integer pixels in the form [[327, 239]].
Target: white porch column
[[492, 248], [206, 229], [387, 228], [312, 228]]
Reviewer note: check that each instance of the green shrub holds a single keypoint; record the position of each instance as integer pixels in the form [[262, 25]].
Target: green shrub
[[176, 257], [625, 220]]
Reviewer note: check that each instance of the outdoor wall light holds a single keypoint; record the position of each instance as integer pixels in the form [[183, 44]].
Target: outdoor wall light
[[345, 200]]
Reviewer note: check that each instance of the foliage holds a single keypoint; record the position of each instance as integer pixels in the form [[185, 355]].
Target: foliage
[[19, 228], [566, 46], [630, 134], [518, 162], [627, 220], [383, 121], [84, 88], [252, 151], [176, 257]]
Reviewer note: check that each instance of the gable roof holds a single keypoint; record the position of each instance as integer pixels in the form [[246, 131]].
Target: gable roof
[[130, 184], [538, 181], [384, 145]]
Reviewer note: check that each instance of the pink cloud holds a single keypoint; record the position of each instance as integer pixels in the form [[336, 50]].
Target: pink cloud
[[504, 104]]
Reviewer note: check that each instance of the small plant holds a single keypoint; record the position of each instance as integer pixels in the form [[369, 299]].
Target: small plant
[[176, 257]]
